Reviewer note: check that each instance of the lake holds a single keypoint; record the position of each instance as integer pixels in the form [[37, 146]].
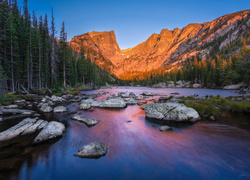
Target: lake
[[206, 150]]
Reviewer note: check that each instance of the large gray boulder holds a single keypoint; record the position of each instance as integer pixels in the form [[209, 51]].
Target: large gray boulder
[[92, 150], [171, 112], [111, 103], [52, 130], [87, 121]]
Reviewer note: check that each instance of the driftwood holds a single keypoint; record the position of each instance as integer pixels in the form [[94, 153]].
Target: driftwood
[[24, 89], [49, 90]]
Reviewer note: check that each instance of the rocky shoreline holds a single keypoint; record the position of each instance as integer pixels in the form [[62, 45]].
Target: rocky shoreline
[[166, 109]]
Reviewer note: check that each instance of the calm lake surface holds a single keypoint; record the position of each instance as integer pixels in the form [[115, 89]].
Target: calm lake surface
[[138, 150]]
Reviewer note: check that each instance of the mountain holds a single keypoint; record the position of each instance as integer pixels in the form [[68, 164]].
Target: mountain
[[168, 47]]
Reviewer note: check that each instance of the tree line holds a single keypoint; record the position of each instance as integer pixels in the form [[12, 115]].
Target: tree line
[[32, 57], [230, 66]]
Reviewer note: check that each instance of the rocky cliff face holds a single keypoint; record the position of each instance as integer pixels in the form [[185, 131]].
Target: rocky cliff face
[[170, 46]]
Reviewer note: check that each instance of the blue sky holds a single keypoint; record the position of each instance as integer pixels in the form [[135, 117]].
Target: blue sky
[[133, 20]]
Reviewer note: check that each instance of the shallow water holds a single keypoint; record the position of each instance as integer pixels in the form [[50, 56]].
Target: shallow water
[[206, 150]]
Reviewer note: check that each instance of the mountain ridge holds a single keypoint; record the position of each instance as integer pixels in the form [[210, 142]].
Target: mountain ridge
[[168, 47]]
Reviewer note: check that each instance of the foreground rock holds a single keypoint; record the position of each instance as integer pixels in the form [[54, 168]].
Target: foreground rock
[[51, 131], [29, 127], [60, 109], [171, 112], [92, 150], [111, 103], [87, 121]]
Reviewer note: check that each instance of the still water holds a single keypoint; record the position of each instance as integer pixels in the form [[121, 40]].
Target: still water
[[206, 150]]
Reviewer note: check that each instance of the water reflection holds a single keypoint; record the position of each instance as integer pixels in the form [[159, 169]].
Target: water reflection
[[139, 150]]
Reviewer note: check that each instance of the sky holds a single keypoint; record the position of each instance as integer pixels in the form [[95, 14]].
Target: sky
[[132, 20]]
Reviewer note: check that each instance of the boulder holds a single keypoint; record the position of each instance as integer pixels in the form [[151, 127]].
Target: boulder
[[87, 121], [28, 129], [13, 106], [171, 112], [111, 103], [148, 94], [233, 87], [46, 108], [132, 95], [89, 101], [84, 106], [16, 130], [197, 85], [60, 109], [111, 97], [160, 85], [50, 131], [15, 113], [67, 96], [131, 101], [56, 99], [165, 128], [92, 150], [140, 103]]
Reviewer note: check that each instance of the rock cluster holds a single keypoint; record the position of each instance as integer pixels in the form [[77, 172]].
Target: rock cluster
[[47, 130]]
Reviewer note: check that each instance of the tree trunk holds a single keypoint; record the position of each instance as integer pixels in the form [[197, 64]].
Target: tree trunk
[[39, 72], [52, 60], [31, 65], [64, 73], [12, 64]]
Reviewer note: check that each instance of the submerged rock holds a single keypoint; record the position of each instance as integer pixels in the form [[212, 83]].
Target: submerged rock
[[52, 130], [60, 109], [165, 128], [111, 103], [92, 150], [87, 121], [171, 112]]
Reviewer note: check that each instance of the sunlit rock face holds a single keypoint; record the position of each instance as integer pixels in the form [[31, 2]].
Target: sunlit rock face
[[168, 47]]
